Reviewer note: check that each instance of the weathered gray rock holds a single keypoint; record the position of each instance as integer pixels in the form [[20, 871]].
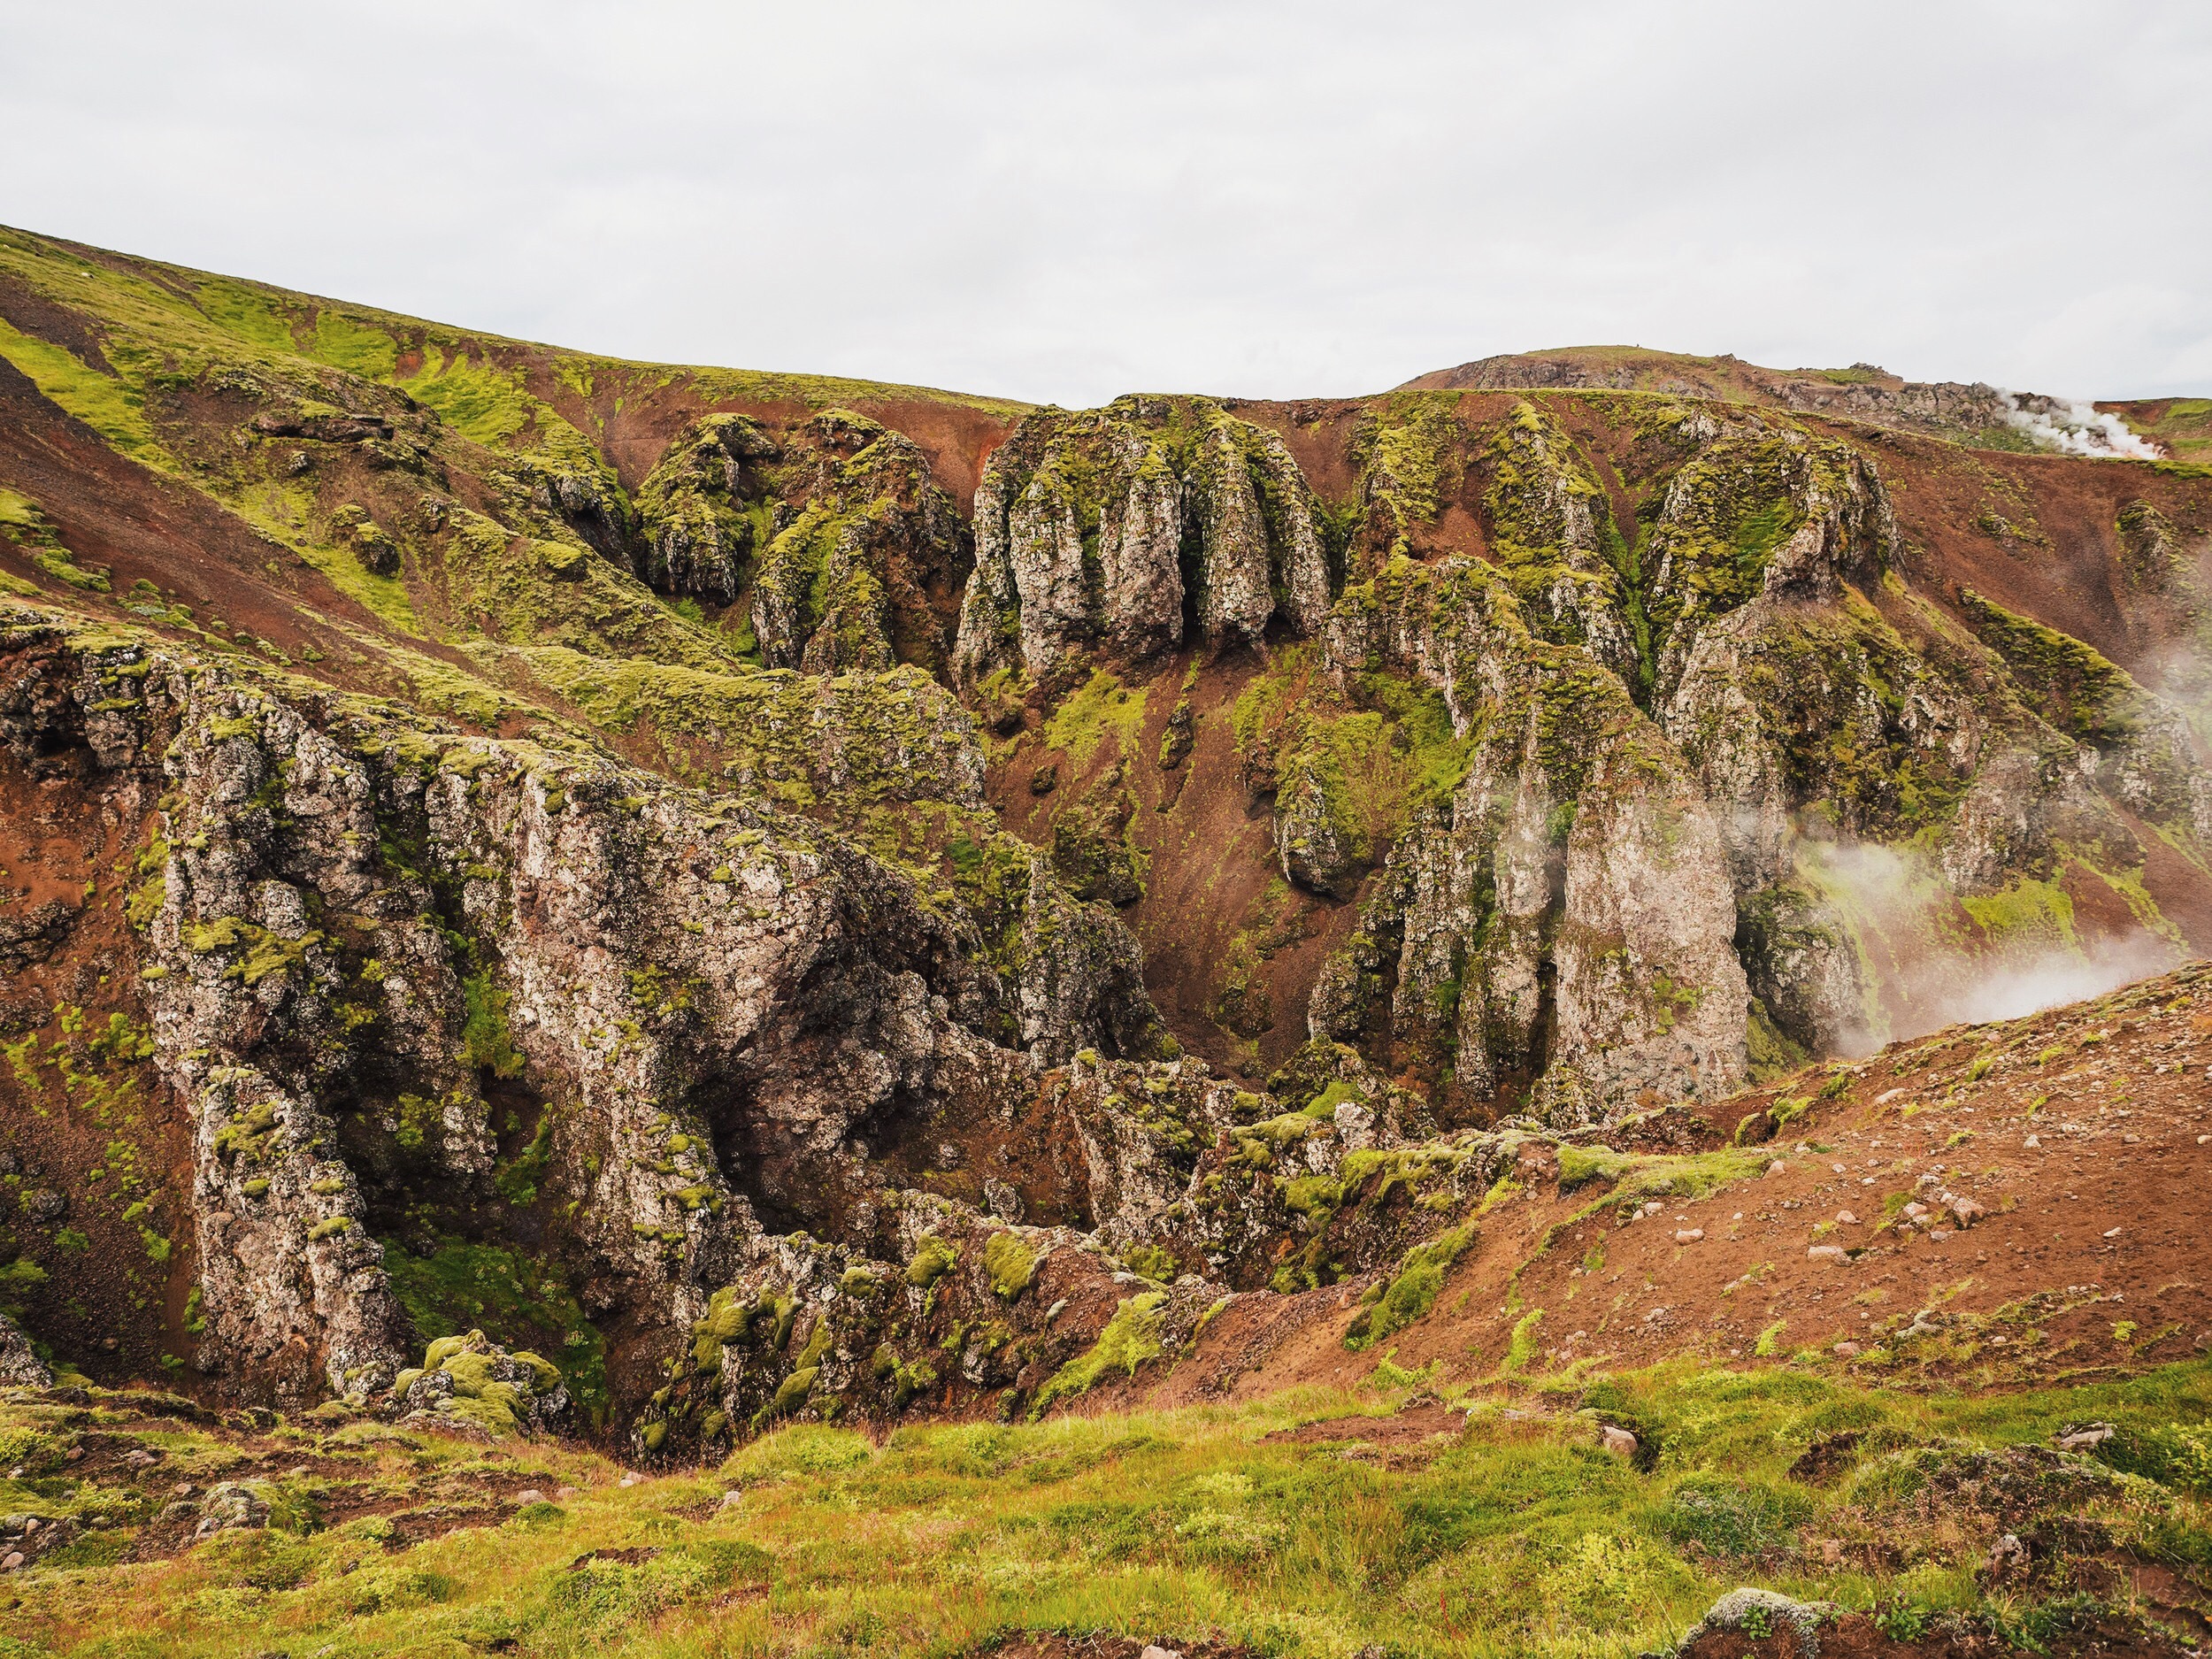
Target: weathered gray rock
[[232, 1506], [1568, 916], [20, 1366], [1104, 529], [472, 1386], [691, 508], [1764, 1612], [358, 924], [872, 551]]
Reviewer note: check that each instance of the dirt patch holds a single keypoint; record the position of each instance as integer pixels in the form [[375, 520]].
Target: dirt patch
[[2091, 1253], [1414, 1426], [1054, 1646]]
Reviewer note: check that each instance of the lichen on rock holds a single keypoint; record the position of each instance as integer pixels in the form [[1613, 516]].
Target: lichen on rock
[[1127, 529]]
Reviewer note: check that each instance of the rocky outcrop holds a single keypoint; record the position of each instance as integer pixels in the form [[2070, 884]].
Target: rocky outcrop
[[1760, 510], [1949, 409], [692, 508], [865, 573], [20, 1366], [832, 533], [1567, 914], [1189, 1193], [471, 1385], [1127, 529], [357, 927], [1552, 531]]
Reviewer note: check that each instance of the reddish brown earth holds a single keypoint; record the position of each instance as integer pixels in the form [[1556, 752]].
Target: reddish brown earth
[[2095, 1257]]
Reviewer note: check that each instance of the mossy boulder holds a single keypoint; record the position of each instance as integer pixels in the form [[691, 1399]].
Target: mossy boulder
[[471, 1383]]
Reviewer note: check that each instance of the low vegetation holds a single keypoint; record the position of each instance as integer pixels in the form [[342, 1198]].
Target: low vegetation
[[1316, 1523]]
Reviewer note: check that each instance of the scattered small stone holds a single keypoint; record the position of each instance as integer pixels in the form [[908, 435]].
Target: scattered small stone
[[11, 1561], [1845, 1218], [529, 1495], [2113, 1233], [1826, 1253], [43, 1203], [1154, 1651], [1850, 1350], [2007, 1556], [1618, 1441], [1689, 1235], [629, 1480], [2082, 1438], [731, 1498], [1777, 1167], [563, 1493], [2035, 1142]]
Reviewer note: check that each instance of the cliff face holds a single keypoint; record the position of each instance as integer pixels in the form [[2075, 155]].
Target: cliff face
[[1129, 529], [626, 860]]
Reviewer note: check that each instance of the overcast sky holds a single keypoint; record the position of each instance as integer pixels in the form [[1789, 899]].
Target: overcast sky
[[1061, 202]]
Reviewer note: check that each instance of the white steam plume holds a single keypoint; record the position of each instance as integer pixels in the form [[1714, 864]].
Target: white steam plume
[[1925, 978], [2059, 423], [1955, 990]]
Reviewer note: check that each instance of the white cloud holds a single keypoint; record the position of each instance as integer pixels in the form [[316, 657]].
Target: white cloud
[[1064, 203]]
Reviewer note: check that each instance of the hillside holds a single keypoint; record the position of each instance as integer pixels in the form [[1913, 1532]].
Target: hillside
[[654, 904], [1982, 416]]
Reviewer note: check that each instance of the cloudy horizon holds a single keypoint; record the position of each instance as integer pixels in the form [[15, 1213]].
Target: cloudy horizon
[[1267, 201]]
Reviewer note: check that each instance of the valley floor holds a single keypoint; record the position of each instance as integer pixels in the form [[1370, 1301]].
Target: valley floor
[[1387, 1520], [1976, 1429]]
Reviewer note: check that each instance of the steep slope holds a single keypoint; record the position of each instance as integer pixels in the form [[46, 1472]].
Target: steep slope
[[802, 897]]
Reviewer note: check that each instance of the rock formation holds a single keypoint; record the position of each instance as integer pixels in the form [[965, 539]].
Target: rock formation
[[1130, 528], [641, 842]]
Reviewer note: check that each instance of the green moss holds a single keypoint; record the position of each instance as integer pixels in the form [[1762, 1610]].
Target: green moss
[[1409, 451], [1412, 1291], [357, 348], [2069, 684], [1131, 1337], [2026, 907], [485, 404], [1010, 1263], [1771, 1053], [1638, 1176], [933, 1259], [486, 1042], [1100, 711], [518, 1300], [111, 406]]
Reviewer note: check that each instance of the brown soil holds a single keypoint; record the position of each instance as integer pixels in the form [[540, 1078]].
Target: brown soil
[[1212, 870], [95, 1127], [1053, 1646], [2095, 1256]]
